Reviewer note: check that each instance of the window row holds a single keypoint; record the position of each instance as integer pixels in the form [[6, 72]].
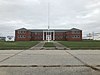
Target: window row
[[24, 36], [75, 32], [21, 36], [21, 32], [59, 37], [38, 33], [74, 36], [37, 37]]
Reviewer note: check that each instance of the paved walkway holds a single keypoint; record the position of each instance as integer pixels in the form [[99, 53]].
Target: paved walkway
[[39, 46], [57, 45], [60, 46], [49, 62]]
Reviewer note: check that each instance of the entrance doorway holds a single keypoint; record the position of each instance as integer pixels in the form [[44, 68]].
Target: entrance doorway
[[48, 35]]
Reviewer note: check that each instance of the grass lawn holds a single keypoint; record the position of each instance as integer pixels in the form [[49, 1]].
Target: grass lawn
[[17, 45], [81, 44], [48, 44]]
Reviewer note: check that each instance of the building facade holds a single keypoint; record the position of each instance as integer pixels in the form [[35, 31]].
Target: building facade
[[24, 34], [2, 38]]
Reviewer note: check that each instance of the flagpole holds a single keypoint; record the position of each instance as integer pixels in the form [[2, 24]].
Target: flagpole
[[48, 22]]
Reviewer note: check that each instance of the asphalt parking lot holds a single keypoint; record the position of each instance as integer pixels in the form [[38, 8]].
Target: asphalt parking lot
[[49, 62]]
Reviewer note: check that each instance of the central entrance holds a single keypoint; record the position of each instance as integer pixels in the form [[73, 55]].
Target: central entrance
[[48, 35]]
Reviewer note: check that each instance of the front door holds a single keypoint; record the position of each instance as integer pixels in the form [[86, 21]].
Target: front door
[[48, 37]]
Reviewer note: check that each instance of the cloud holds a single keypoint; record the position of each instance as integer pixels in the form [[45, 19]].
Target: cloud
[[93, 13], [19, 2], [93, 5], [83, 14]]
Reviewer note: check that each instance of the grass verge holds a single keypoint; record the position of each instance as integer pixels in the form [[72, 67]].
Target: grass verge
[[16, 45], [81, 44], [48, 44]]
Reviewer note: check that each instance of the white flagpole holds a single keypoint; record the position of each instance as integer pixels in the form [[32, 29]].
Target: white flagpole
[[48, 22]]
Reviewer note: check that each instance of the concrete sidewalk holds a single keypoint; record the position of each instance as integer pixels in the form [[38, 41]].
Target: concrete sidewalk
[[39, 46], [57, 45], [60, 46], [50, 62]]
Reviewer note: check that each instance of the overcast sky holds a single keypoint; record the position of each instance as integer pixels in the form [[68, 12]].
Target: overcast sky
[[31, 14]]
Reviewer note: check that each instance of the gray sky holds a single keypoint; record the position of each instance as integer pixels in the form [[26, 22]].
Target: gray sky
[[31, 14]]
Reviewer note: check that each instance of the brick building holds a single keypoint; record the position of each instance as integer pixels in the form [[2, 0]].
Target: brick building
[[24, 34]]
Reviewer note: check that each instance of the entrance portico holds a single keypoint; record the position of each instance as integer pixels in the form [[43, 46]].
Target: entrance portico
[[49, 35]]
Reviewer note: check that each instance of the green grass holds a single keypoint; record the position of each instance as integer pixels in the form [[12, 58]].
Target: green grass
[[48, 44], [17, 45], [89, 44]]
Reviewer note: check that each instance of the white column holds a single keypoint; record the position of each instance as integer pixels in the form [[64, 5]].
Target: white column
[[46, 35], [43, 35], [53, 35], [50, 35]]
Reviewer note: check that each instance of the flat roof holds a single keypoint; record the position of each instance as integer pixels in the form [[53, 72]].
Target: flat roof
[[50, 29]]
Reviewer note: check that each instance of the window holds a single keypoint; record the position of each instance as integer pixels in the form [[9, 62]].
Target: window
[[18, 32], [24, 31], [78, 36], [24, 36]]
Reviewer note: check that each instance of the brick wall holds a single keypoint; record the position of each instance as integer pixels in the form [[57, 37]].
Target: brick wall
[[22, 36], [74, 36], [27, 35]]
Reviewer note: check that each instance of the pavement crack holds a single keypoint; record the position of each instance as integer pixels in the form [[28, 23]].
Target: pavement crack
[[87, 65], [11, 56], [42, 66]]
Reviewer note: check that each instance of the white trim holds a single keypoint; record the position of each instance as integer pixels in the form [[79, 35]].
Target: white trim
[[53, 35], [43, 35]]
